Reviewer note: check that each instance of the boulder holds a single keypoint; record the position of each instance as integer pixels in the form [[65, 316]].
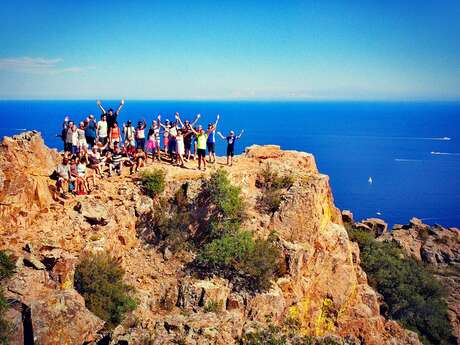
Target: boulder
[[93, 211], [377, 226], [347, 216]]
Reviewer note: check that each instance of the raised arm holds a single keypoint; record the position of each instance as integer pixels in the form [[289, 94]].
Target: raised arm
[[99, 104], [221, 136], [122, 102], [197, 117], [217, 121], [180, 121], [241, 133]]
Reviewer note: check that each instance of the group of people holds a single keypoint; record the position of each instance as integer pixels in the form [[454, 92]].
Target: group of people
[[105, 146]]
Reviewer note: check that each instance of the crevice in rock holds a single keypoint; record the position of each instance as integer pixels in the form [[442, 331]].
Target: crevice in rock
[[49, 263], [105, 340], [27, 325]]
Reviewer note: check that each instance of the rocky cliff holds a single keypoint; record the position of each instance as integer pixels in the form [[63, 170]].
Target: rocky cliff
[[324, 288], [439, 249]]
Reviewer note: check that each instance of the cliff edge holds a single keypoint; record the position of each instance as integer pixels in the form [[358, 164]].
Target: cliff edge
[[323, 287]]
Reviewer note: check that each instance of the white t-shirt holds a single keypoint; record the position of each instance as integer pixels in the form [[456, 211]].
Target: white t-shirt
[[102, 129], [75, 138]]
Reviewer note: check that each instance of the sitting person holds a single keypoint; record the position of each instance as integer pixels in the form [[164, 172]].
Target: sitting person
[[138, 160], [95, 161], [73, 173], [63, 177], [82, 186], [116, 161]]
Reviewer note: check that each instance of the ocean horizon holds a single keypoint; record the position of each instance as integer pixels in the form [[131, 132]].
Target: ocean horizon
[[409, 149]]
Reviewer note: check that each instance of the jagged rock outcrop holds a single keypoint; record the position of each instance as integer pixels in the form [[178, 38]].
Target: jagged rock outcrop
[[324, 289], [439, 247]]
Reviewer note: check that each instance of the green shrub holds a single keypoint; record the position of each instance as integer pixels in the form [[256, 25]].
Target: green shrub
[[7, 267], [99, 279], [270, 179], [213, 307], [412, 295], [223, 204], [270, 201], [261, 263], [169, 224], [273, 188], [153, 182], [259, 259], [276, 335], [228, 250]]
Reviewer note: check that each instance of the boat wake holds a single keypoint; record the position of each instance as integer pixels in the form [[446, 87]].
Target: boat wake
[[407, 160], [437, 153], [13, 129]]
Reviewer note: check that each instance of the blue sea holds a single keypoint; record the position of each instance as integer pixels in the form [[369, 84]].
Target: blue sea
[[410, 150]]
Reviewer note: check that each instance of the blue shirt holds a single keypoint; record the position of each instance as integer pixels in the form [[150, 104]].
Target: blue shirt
[[212, 137], [90, 130]]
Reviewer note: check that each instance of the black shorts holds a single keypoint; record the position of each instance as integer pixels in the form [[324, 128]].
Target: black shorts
[[68, 147], [103, 140], [201, 153], [211, 147], [230, 151], [187, 145], [90, 141]]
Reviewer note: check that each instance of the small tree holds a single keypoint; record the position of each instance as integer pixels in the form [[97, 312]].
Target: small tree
[[223, 203], [99, 279], [153, 182], [258, 260], [273, 188]]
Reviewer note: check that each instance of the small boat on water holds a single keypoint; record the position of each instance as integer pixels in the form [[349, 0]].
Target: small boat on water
[[370, 180]]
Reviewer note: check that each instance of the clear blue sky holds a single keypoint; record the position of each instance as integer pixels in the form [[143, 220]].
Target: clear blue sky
[[385, 50]]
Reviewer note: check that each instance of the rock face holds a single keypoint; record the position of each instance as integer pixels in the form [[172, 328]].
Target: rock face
[[25, 166], [324, 288], [440, 248]]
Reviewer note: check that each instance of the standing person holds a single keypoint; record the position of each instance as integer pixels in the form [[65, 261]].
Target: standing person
[[231, 138], [186, 128], [201, 139], [74, 136], [68, 137], [140, 134], [111, 116], [114, 136], [82, 144], [102, 130], [63, 135], [172, 139], [153, 143], [211, 142], [128, 134], [166, 127], [90, 131], [182, 135]]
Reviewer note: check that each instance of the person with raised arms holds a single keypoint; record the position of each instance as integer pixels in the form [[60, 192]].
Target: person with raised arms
[[111, 116], [201, 139], [211, 141], [186, 129], [231, 138], [182, 135]]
